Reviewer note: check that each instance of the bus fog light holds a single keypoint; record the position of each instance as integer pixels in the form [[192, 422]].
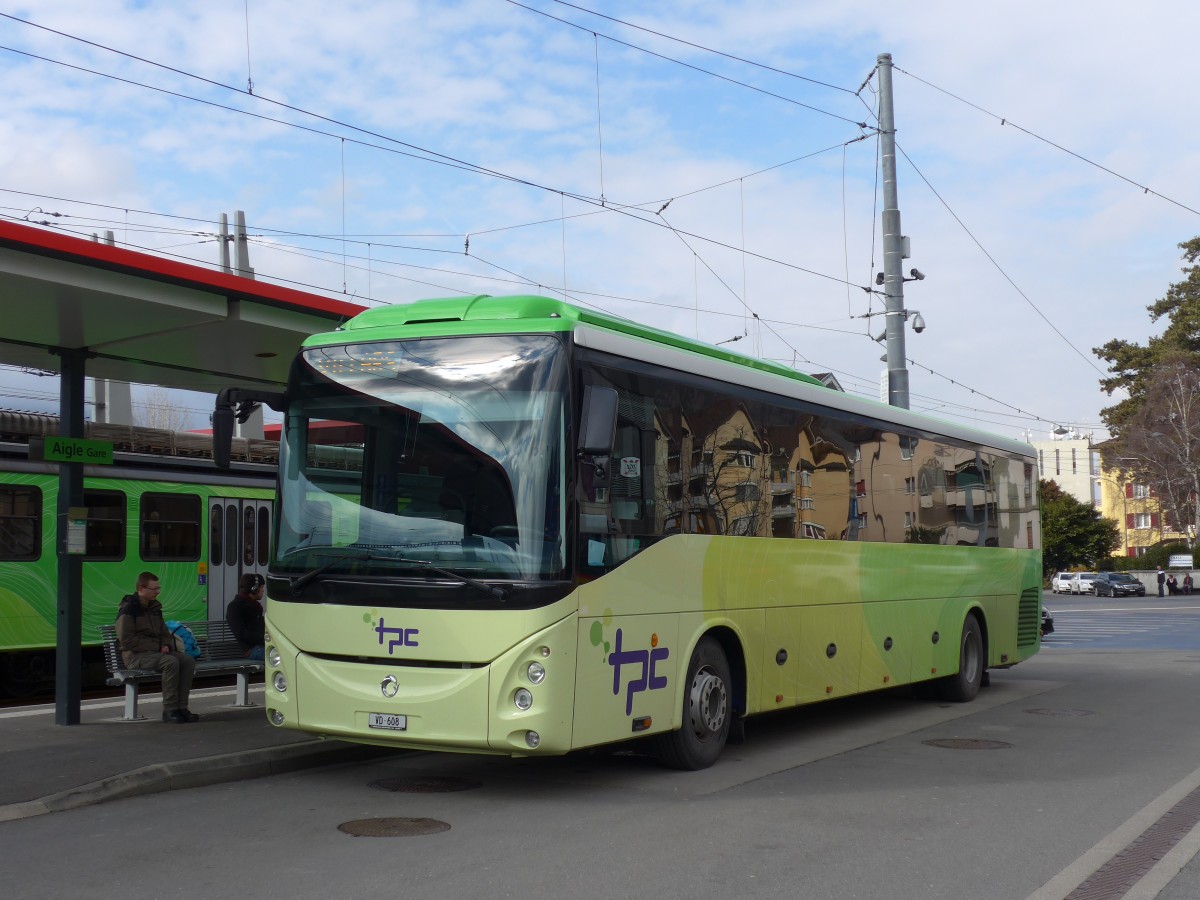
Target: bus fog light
[[523, 699], [280, 682], [275, 716], [536, 673], [544, 651], [266, 637], [532, 739], [273, 657]]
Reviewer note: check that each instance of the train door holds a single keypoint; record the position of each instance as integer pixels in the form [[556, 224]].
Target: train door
[[239, 539]]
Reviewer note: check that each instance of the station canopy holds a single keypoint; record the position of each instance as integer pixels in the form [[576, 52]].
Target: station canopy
[[146, 319]]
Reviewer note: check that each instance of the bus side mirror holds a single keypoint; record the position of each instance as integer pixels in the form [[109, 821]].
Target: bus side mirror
[[222, 430], [237, 403], [597, 429], [598, 423]]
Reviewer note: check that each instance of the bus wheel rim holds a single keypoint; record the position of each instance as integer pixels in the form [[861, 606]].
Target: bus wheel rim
[[709, 704]]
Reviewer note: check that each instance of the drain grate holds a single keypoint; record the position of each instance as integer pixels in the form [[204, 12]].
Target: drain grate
[[966, 744], [426, 784], [1061, 712], [392, 827], [1123, 871]]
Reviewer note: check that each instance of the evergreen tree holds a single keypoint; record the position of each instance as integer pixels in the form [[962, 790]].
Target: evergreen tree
[[1132, 364]]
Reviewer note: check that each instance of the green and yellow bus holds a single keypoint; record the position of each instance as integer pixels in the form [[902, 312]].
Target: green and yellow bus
[[161, 506], [509, 525]]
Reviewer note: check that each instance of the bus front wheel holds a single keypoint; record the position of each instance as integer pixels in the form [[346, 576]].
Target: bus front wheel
[[963, 687], [707, 712]]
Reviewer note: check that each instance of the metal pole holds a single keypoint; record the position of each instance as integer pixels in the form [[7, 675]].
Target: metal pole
[[68, 647], [893, 250]]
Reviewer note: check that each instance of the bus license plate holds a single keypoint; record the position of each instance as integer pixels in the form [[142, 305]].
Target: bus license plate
[[387, 722]]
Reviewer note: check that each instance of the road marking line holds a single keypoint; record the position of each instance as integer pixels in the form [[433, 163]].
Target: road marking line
[[1121, 837]]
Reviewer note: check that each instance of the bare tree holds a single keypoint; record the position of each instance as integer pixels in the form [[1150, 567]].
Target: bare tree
[[1160, 445], [161, 409]]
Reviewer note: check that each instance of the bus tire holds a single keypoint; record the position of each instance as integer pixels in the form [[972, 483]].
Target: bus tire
[[707, 712], [964, 686]]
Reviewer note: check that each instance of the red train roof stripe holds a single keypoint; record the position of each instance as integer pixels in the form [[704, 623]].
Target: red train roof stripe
[[50, 243]]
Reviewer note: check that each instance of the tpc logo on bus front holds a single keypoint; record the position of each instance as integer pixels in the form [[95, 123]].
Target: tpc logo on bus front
[[648, 680], [396, 637]]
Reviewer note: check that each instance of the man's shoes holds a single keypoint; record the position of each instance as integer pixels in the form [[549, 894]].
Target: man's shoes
[[177, 716], [191, 716]]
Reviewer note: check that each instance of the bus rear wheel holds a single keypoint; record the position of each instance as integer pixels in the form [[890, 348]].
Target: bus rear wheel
[[964, 686], [707, 712]]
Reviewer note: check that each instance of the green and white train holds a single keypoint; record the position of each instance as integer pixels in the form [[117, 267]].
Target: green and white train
[[162, 506]]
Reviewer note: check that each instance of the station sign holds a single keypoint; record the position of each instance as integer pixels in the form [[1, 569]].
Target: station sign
[[1180, 561], [76, 450]]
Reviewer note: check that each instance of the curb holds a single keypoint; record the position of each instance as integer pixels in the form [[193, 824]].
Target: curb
[[190, 773]]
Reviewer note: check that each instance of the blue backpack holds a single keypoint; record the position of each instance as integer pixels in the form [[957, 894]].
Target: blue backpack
[[185, 641]]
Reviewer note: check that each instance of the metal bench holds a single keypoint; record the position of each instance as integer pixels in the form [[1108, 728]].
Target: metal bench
[[220, 654]]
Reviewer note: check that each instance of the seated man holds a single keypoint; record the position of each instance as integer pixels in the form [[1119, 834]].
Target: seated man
[[146, 643], [245, 615]]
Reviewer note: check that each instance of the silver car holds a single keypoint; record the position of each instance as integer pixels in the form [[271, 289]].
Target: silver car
[[1083, 583]]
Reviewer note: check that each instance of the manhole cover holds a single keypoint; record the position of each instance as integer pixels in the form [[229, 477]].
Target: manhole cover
[[393, 827], [423, 784], [1061, 712], [966, 744]]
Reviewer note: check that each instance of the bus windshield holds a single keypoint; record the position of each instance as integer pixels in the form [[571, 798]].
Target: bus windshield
[[428, 458]]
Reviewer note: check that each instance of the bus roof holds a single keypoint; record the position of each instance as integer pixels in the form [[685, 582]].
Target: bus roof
[[523, 314], [487, 314]]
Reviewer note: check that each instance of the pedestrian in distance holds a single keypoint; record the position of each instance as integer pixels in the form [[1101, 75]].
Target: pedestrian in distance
[[244, 615], [146, 643], [1187, 583], [1162, 580], [1172, 585]]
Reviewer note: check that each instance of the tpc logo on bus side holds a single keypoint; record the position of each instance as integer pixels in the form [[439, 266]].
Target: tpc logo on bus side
[[400, 637], [648, 679]]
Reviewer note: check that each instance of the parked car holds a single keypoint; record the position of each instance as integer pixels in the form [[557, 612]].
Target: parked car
[[1061, 583], [1117, 584], [1047, 622], [1083, 583]]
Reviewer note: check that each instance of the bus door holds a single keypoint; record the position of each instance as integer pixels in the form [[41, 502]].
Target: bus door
[[239, 538]]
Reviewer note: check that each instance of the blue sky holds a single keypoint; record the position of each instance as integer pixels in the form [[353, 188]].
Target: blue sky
[[1032, 256]]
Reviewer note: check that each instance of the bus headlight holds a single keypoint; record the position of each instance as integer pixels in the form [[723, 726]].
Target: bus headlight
[[280, 682], [273, 657], [523, 699], [536, 673]]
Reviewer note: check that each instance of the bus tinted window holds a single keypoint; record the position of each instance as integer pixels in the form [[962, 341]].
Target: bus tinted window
[[105, 525], [20, 523], [170, 526], [693, 457]]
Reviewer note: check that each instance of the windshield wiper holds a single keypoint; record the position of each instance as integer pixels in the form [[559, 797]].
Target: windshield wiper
[[299, 583], [491, 590]]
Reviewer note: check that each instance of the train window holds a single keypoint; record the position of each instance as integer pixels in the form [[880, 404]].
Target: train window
[[170, 526], [215, 521], [105, 525], [264, 535], [248, 537], [20, 522], [231, 535]]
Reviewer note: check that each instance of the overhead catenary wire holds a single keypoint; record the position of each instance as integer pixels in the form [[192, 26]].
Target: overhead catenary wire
[[1003, 120]]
